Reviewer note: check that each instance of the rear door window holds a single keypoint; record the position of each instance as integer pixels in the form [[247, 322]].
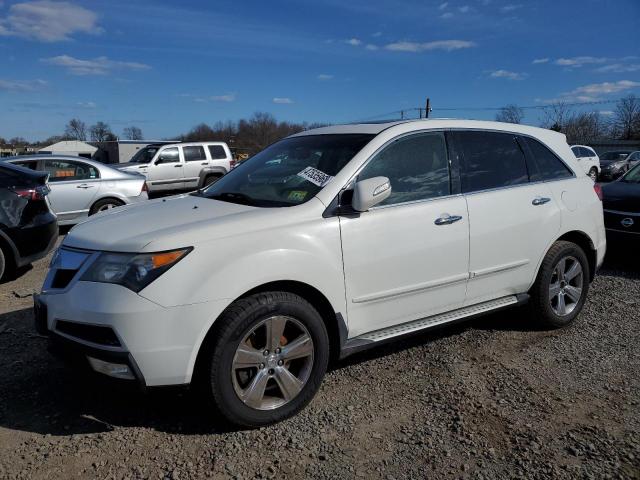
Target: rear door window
[[64, 170], [217, 152], [193, 153], [490, 160], [547, 166]]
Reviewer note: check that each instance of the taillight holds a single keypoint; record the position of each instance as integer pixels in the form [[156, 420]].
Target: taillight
[[598, 189], [232, 163], [37, 193], [145, 187]]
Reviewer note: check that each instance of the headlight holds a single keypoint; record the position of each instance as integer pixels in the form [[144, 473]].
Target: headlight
[[616, 165], [132, 270]]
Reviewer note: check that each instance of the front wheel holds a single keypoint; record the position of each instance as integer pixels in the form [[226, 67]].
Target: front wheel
[[561, 288], [269, 356]]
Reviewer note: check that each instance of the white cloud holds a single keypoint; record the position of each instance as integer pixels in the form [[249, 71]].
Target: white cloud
[[443, 6], [372, 47], [324, 77], [464, 9], [619, 68], [21, 85], [510, 7], [576, 62], [95, 66], [540, 60], [376, 34], [604, 88], [446, 45], [446, 15], [48, 21], [282, 100], [87, 104], [354, 41], [507, 74], [229, 97], [606, 113]]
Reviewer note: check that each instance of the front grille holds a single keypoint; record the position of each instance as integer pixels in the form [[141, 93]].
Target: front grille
[[90, 333], [614, 221], [62, 278]]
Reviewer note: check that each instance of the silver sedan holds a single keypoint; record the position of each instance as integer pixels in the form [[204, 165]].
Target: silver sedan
[[81, 187]]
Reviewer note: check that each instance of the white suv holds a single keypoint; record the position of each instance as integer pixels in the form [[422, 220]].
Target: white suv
[[326, 243], [184, 166], [588, 159]]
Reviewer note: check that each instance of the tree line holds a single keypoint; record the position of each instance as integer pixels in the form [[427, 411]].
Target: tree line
[[623, 123]]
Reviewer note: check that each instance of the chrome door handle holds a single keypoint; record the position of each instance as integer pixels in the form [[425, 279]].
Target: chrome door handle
[[540, 200], [447, 219], [84, 186], [204, 163], [177, 166]]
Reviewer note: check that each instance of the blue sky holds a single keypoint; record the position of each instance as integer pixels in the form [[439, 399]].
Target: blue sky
[[166, 66]]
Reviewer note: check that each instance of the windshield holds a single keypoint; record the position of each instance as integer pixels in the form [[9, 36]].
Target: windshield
[[633, 176], [610, 156], [145, 155], [289, 172]]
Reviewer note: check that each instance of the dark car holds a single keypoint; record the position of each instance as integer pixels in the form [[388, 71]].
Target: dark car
[[614, 164], [28, 228], [621, 203]]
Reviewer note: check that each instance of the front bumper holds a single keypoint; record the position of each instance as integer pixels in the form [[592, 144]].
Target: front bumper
[[158, 344]]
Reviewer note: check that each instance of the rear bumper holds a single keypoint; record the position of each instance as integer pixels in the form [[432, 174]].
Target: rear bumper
[[36, 242]]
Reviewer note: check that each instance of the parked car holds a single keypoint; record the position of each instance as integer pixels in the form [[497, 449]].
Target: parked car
[[621, 203], [28, 228], [614, 164], [184, 166], [589, 160], [633, 159], [82, 187], [328, 242]]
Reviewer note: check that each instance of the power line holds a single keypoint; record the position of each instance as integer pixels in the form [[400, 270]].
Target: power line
[[403, 111]]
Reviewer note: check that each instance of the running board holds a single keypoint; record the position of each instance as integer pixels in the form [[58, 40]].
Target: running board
[[372, 339]]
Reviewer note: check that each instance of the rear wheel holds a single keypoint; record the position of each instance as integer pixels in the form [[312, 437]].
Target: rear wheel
[[559, 293], [211, 179], [2, 264], [268, 359], [593, 173], [105, 204]]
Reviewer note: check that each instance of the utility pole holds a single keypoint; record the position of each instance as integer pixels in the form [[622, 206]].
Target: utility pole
[[428, 108]]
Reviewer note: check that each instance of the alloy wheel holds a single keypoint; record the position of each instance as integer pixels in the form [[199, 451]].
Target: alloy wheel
[[565, 288], [272, 363], [107, 206]]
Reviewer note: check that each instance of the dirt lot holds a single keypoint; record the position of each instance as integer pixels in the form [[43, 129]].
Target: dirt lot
[[494, 398]]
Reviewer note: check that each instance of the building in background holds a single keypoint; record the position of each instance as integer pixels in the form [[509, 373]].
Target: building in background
[[70, 147]]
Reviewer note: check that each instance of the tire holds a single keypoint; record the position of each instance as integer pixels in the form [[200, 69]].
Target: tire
[[105, 204], [210, 180], [559, 309], [593, 173], [240, 338], [3, 264]]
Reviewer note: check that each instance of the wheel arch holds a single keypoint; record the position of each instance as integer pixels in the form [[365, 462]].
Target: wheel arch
[[106, 197], [334, 321], [584, 241]]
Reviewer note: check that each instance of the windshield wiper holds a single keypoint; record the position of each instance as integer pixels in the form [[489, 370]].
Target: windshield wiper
[[234, 197]]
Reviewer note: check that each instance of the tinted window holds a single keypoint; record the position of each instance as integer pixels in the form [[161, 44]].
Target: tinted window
[[217, 152], [169, 155], [191, 154], [634, 156], [490, 160], [576, 151], [585, 152], [416, 166], [33, 164], [548, 165], [63, 170]]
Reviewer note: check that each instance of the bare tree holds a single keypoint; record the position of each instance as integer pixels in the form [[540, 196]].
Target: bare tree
[[101, 132], [585, 127], [510, 114], [76, 129], [556, 116], [132, 133], [626, 120], [18, 141]]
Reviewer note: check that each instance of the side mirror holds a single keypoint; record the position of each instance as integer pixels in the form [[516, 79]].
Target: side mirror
[[368, 193]]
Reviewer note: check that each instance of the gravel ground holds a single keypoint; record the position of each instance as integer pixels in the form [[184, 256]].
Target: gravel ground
[[493, 398]]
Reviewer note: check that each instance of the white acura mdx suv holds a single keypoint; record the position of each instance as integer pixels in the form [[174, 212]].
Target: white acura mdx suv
[[326, 243]]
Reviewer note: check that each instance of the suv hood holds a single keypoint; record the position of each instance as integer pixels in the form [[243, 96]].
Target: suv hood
[[163, 224], [130, 166]]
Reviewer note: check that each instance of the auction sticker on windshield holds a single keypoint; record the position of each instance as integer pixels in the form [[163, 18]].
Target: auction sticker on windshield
[[315, 176]]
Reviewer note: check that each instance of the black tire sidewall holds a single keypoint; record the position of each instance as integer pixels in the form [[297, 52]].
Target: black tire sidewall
[[105, 201], [3, 264], [543, 304], [221, 384]]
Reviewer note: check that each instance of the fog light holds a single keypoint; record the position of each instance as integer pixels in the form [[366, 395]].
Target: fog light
[[116, 370]]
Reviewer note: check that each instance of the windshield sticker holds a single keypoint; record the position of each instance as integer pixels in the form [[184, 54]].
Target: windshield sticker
[[296, 195], [315, 176]]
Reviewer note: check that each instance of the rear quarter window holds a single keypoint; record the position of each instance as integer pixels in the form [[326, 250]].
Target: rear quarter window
[[217, 152], [546, 164]]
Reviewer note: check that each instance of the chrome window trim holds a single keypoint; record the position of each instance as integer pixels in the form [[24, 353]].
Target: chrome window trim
[[618, 212]]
